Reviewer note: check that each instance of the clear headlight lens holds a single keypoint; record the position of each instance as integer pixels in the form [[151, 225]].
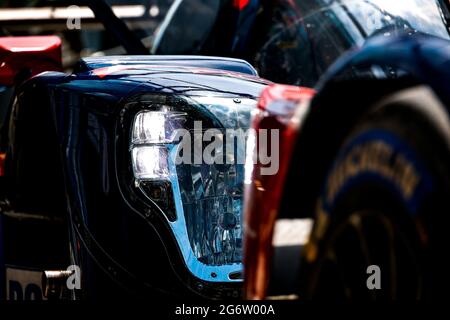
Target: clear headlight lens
[[156, 126], [149, 127], [150, 137], [203, 201], [150, 162], [212, 204]]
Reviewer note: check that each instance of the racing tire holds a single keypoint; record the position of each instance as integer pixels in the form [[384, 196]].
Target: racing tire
[[380, 228]]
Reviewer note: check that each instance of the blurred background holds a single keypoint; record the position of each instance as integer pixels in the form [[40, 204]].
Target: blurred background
[[50, 17]]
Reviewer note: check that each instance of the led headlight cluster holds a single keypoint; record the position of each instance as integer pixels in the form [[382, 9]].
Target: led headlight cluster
[[152, 132], [202, 200], [150, 162]]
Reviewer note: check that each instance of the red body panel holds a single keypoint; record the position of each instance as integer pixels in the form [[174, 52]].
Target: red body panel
[[32, 55], [240, 4], [24, 57], [283, 107]]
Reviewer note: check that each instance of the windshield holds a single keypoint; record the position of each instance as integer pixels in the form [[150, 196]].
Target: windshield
[[307, 36]]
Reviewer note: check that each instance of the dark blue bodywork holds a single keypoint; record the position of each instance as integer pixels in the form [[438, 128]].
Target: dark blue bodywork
[[424, 57], [67, 151]]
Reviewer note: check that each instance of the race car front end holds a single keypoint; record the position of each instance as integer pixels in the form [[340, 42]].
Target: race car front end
[[171, 159]]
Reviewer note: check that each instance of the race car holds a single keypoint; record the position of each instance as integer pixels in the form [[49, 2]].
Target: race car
[[296, 43], [140, 228], [364, 157], [102, 195], [292, 41]]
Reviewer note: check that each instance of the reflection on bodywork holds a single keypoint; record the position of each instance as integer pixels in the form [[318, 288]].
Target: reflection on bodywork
[[308, 36]]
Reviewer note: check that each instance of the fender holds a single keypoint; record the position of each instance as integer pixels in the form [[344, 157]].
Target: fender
[[339, 105]]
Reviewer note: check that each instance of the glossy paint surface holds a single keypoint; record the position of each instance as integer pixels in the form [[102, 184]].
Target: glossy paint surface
[[121, 243], [29, 55], [284, 109]]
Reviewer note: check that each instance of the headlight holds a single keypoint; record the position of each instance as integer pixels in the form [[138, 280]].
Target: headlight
[[156, 126], [149, 127], [150, 163], [151, 132], [202, 201]]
